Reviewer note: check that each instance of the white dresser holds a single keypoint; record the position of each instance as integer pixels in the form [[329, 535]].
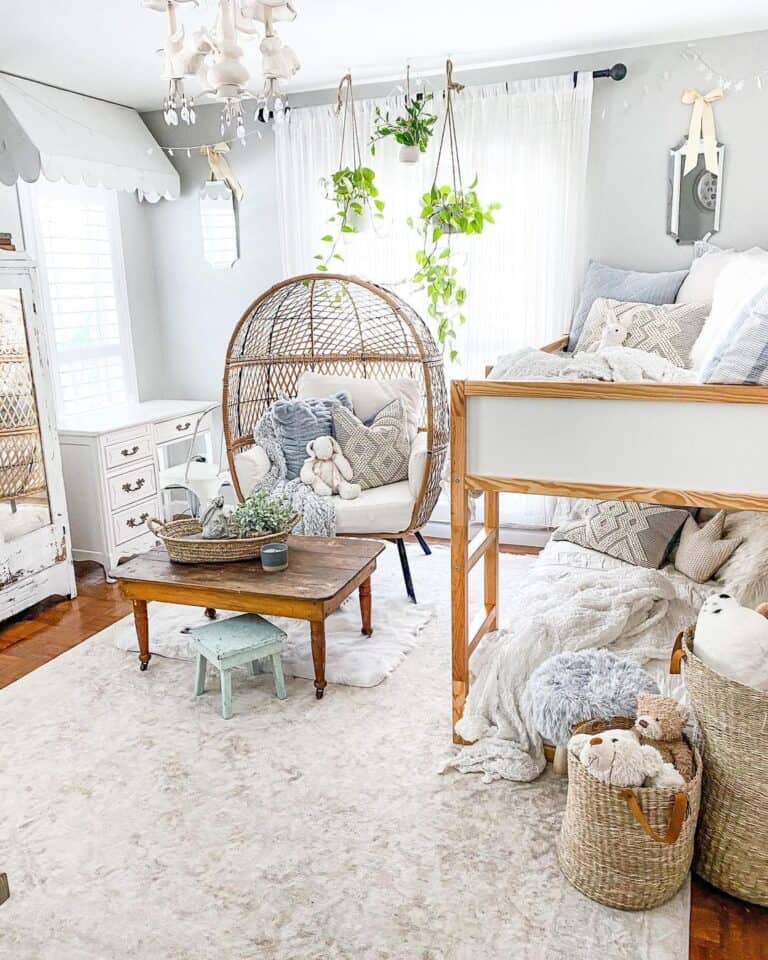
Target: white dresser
[[112, 460]]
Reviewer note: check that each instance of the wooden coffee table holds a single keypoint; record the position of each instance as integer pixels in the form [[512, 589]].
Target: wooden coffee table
[[322, 572]]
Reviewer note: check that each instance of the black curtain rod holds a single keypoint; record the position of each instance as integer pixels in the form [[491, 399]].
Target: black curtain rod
[[617, 72]]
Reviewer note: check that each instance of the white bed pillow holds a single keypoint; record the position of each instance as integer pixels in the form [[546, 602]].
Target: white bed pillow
[[736, 284], [368, 396], [708, 263]]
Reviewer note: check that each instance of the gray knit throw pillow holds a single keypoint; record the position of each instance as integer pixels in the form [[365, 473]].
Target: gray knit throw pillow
[[378, 454], [639, 533]]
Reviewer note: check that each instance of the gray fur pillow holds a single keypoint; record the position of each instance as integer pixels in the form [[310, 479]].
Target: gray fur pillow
[[638, 533], [379, 453]]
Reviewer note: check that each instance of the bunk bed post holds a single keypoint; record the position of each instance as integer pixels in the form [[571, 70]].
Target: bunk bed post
[[459, 554], [491, 558]]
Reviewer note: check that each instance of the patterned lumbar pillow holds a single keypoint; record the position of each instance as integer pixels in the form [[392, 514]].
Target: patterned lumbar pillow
[[378, 453], [639, 533], [670, 330], [702, 551]]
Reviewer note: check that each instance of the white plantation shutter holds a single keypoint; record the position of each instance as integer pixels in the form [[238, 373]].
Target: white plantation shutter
[[81, 266]]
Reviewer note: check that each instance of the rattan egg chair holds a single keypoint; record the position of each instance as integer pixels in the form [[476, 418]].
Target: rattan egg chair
[[343, 326]]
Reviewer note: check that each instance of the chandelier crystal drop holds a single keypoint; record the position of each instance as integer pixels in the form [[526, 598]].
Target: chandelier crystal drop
[[213, 57]]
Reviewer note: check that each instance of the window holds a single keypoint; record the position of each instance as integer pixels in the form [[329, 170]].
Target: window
[[81, 267]]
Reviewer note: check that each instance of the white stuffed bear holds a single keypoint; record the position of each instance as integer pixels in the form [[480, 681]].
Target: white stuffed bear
[[327, 471], [613, 335], [616, 757], [733, 640]]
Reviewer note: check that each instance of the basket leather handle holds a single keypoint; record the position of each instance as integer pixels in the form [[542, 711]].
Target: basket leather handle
[[155, 526], [675, 821], [678, 654]]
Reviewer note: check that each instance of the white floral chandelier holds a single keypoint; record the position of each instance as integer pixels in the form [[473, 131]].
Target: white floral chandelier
[[214, 58]]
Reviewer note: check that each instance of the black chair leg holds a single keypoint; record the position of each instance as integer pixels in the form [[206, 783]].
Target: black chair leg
[[423, 543], [406, 569]]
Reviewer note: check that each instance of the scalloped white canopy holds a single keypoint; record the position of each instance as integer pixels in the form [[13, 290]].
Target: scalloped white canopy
[[66, 136]]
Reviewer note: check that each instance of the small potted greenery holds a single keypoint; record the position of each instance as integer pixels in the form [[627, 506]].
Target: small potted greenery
[[352, 188], [446, 211], [261, 514], [412, 129]]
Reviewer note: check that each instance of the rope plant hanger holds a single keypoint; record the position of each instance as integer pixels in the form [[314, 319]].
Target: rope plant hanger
[[351, 189], [447, 209]]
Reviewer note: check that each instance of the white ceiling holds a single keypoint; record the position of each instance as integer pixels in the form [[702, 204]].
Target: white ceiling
[[108, 47]]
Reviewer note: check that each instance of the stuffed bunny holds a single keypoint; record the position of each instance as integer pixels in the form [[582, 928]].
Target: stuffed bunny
[[613, 335], [327, 471]]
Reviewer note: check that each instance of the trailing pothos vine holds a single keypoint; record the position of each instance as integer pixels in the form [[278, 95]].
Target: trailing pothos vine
[[447, 210], [352, 189]]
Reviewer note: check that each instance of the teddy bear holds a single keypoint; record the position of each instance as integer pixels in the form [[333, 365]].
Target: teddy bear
[[617, 758], [733, 640], [613, 335], [327, 471], [660, 723]]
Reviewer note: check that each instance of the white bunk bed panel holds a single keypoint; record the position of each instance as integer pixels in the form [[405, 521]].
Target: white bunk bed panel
[[656, 444]]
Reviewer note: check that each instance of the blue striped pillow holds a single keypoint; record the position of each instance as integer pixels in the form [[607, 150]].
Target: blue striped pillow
[[297, 422], [742, 355]]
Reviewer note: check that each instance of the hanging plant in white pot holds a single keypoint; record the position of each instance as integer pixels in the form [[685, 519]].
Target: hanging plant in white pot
[[412, 129], [352, 188], [447, 210]]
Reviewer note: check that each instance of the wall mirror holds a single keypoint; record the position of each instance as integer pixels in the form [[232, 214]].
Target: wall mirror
[[23, 491], [218, 221], [694, 199]]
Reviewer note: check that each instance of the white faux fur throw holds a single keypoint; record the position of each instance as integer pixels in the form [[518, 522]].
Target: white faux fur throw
[[556, 608], [613, 364]]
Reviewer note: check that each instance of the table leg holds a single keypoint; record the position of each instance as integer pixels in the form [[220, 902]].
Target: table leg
[[317, 628], [142, 632], [365, 607]]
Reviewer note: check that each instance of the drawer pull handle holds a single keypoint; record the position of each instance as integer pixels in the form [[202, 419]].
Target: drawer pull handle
[[138, 485], [125, 452], [181, 427], [133, 522]]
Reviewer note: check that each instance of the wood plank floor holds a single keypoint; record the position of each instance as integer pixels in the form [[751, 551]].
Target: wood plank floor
[[721, 928]]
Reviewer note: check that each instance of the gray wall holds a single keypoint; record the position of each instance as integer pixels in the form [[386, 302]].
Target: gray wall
[[181, 328]]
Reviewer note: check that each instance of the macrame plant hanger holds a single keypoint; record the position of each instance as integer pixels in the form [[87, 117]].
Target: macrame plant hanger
[[449, 130], [345, 107]]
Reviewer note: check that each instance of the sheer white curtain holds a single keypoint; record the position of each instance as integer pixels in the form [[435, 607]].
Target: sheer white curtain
[[528, 144]]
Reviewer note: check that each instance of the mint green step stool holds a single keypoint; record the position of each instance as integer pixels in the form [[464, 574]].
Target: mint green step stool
[[231, 643]]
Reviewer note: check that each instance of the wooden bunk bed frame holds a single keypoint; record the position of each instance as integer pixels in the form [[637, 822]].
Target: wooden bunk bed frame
[[651, 443]]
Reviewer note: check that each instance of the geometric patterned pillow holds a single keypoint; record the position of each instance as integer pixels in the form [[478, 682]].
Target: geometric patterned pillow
[[638, 533], [379, 453], [670, 330]]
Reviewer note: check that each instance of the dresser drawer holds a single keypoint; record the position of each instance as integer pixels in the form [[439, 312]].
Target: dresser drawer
[[127, 451], [129, 523], [176, 429], [131, 486]]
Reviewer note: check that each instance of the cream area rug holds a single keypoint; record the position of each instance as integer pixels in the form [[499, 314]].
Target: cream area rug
[[136, 824]]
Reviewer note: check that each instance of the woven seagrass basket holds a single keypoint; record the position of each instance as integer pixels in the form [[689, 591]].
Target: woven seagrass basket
[[629, 848], [176, 535], [732, 842]]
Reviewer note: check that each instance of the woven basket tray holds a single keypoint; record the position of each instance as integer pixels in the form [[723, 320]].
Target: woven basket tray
[[732, 842], [175, 538], [626, 848]]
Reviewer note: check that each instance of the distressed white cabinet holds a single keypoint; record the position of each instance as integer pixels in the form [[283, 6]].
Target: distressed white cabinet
[[35, 553], [112, 464]]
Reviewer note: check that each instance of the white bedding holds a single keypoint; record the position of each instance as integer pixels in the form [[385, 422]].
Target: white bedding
[[613, 364], [572, 599]]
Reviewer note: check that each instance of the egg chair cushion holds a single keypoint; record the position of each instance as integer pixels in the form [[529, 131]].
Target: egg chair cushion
[[386, 510], [368, 396]]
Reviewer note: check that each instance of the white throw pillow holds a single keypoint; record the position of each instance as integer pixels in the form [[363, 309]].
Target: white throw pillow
[[368, 396], [709, 261], [734, 287]]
